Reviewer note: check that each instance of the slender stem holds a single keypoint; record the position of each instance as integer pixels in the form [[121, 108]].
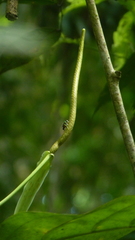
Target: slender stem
[[40, 165], [74, 92], [113, 82]]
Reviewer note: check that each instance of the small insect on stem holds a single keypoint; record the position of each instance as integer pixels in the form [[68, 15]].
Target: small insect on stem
[[12, 10], [65, 124]]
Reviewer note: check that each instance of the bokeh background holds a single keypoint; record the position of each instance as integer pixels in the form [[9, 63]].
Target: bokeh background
[[92, 167]]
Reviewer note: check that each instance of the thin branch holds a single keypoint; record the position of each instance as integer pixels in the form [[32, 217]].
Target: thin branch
[[113, 82], [12, 10]]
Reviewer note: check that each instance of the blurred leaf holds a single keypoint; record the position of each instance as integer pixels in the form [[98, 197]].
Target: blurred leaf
[[36, 1], [104, 97], [4, 22], [73, 5], [111, 221], [76, 4], [124, 39], [128, 76], [34, 184], [130, 4], [130, 236], [19, 45]]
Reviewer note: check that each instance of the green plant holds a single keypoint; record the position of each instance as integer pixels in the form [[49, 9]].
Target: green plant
[[114, 219]]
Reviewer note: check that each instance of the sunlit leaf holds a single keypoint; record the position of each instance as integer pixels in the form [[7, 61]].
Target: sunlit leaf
[[76, 4], [124, 40], [111, 221]]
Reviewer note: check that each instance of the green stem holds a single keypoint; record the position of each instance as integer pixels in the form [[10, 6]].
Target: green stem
[[40, 165], [74, 92]]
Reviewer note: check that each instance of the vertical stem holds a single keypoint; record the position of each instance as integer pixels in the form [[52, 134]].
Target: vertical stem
[[12, 10], [113, 82]]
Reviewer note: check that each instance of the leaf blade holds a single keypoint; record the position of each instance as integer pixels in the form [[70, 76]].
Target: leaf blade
[[111, 221], [34, 184]]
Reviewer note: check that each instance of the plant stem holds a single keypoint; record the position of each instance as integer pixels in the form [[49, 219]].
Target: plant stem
[[40, 165], [12, 10], [113, 82]]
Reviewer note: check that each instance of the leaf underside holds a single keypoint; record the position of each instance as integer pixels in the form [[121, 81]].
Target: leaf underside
[[111, 221]]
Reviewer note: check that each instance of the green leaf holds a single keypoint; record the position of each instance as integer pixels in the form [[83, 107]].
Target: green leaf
[[36, 1], [76, 4], [130, 4], [109, 222], [124, 39], [78, 1], [19, 45], [73, 5], [34, 184], [31, 225]]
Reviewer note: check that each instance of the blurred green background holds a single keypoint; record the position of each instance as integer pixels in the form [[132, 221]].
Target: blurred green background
[[92, 167]]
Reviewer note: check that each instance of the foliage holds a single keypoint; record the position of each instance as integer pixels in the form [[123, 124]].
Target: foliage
[[37, 1], [111, 221], [123, 46], [37, 59], [21, 45]]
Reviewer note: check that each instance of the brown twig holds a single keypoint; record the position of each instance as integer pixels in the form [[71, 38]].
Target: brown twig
[[12, 10], [113, 82]]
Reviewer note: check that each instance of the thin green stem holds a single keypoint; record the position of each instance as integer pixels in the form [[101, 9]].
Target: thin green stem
[[40, 165], [113, 82], [74, 92]]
